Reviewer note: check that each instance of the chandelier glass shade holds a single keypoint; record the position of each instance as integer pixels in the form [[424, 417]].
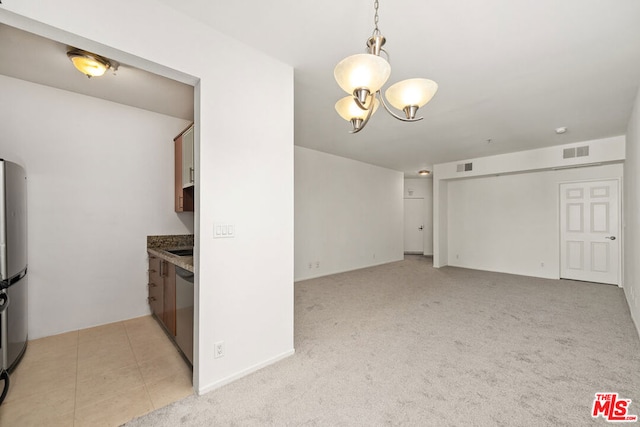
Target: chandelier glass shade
[[411, 92], [348, 108], [363, 75], [362, 71]]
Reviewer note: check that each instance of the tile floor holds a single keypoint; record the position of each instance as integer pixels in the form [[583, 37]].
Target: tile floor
[[102, 376]]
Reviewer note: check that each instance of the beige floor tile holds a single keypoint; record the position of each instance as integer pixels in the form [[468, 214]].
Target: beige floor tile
[[96, 388], [55, 360], [170, 389], [103, 359], [150, 347], [50, 347], [39, 420], [142, 325], [102, 333], [96, 374], [117, 410], [42, 409], [108, 341], [164, 365], [42, 377]]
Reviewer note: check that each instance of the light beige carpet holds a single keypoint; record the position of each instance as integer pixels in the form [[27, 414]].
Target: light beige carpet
[[407, 344]]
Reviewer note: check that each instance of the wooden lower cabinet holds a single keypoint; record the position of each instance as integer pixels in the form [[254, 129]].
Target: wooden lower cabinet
[[162, 292], [156, 287]]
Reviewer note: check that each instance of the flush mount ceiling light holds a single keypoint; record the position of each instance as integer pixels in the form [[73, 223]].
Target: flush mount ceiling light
[[424, 172], [362, 77], [90, 64]]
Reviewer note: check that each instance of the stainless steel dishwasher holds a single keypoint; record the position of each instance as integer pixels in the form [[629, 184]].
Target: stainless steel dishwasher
[[184, 312]]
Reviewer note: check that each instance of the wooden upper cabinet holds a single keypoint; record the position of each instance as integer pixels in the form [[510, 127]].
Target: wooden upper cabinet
[[184, 171], [187, 158]]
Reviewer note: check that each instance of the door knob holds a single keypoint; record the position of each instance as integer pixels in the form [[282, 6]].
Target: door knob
[[421, 227], [611, 237]]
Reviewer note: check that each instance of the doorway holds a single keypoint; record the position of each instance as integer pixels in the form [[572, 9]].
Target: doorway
[[590, 231], [413, 226]]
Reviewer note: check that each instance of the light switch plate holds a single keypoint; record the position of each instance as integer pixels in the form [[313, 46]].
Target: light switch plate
[[223, 230]]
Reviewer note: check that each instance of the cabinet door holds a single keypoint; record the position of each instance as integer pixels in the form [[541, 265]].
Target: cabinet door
[[170, 298], [179, 199], [187, 158], [156, 287], [183, 197]]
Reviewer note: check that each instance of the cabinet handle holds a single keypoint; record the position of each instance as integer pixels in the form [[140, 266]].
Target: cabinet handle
[[191, 174], [151, 271], [151, 299], [161, 268], [152, 285]]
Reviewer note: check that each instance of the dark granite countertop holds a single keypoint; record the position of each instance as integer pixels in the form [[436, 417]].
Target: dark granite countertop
[[158, 246]]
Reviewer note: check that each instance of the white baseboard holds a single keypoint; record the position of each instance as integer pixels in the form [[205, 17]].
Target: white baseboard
[[330, 272], [244, 372]]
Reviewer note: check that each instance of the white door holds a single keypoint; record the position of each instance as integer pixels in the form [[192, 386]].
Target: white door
[[413, 225], [590, 231]]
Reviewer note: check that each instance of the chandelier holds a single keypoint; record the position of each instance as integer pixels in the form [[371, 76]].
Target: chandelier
[[362, 77]]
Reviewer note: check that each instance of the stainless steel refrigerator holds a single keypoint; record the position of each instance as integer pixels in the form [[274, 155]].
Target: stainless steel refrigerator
[[13, 264]]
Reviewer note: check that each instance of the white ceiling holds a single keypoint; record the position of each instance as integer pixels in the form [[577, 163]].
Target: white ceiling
[[40, 60], [509, 71]]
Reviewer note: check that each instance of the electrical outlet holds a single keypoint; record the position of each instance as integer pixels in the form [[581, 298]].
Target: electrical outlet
[[218, 349], [317, 264], [310, 265]]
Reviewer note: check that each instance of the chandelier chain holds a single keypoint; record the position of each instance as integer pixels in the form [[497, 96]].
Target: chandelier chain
[[376, 17]]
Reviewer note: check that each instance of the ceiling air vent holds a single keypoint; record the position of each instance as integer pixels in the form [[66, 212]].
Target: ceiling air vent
[[569, 153], [464, 167], [582, 151]]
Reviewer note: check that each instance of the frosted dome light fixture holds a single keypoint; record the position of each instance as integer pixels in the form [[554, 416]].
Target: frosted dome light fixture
[[90, 64]]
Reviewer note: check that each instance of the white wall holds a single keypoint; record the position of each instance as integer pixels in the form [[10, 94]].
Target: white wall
[[632, 215], [422, 188], [348, 214], [244, 167], [510, 223], [100, 179], [604, 151]]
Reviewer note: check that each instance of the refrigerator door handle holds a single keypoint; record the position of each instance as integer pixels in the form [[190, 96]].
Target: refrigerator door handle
[[6, 283], [4, 302]]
